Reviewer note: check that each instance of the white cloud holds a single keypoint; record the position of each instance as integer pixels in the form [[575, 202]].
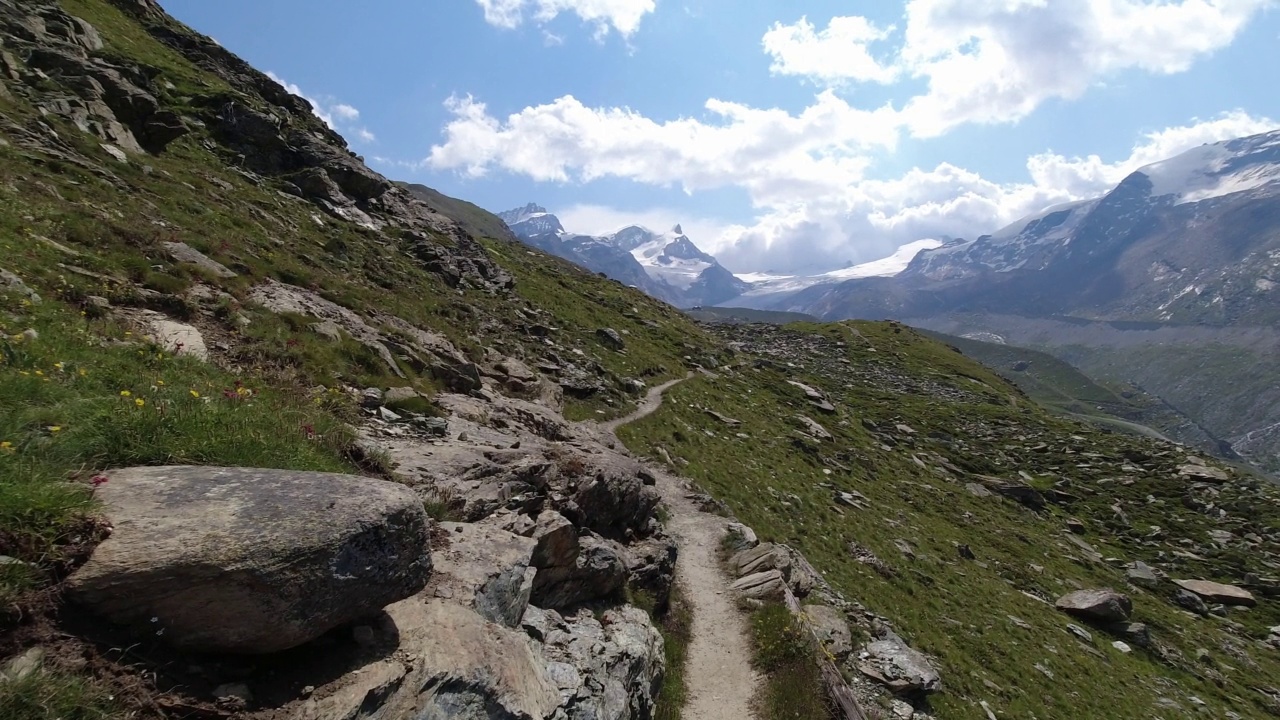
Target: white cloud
[[996, 61], [837, 53], [340, 117], [623, 16]]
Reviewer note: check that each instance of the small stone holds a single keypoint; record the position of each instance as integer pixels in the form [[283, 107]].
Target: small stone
[[1122, 646], [1103, 604]]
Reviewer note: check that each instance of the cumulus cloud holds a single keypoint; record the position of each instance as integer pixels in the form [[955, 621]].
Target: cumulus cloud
[[340, 117], [808, 173], [840, 52], [995, 61], [622, 16]]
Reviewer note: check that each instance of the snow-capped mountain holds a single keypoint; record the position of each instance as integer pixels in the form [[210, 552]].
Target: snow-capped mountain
[[769, 289], [667, 265]]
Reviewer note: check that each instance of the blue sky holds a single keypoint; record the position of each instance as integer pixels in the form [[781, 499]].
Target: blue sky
[[785, 136]]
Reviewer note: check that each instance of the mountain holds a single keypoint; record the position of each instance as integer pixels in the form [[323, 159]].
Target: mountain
[[1187, 250], [770, 289], [668, 265]]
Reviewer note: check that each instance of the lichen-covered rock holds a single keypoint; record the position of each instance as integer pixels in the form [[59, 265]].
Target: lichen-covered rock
[[895, 664], [487, 569], [1101, 605], [250, 561], [597, 572]]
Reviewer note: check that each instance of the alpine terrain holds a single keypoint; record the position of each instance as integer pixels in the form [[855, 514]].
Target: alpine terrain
[[284, 439]]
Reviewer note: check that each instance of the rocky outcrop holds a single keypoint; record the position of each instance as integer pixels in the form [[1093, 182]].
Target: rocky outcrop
[[893, 663], [597, 571], [250, 561], [486, 569], [605, 669]]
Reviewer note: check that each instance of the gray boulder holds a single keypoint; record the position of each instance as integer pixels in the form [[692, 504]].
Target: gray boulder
[[1101, 605], [767, 585], [1219, 592], [832, 629], [597, 572], [896, 665], [250, 561], [487, 569], [611, 338], [765, 556]]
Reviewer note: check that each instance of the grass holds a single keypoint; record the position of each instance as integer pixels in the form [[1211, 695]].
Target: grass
[[785, 655], [83, 396], [676, 626], [969, 422], [43, 695]]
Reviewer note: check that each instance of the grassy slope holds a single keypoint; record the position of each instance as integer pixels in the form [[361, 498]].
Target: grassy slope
[[62, 412], [953, 609]]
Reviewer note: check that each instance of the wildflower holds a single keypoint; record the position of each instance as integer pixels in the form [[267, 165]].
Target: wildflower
[[55, 428], [160, 383], [59, 366], [6, 447], [125, 393], [39, 373], [309, 430], [98, 480], [195, 394], [83, 372], [24, 372], [139, 402]]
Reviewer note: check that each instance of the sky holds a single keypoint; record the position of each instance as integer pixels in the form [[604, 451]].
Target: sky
[[785, 136]]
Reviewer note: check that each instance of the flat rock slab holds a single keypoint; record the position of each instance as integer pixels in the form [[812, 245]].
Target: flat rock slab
[[1219, 592], [184, 253], [175, 337], [485, 568], [251, 561]]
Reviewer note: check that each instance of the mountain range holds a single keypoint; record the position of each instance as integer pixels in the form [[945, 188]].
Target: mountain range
[[1169, 281]]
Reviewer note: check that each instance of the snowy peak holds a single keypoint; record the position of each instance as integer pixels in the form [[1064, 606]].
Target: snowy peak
[[531, 220], [1218, 169]]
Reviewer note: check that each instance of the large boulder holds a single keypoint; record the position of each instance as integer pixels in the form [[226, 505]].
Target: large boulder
[[765, 556], [598, 571], [251, 561], [614, 501], [1101, 605], [487, 569], [832, 629], [1219, 592], [767, 585]]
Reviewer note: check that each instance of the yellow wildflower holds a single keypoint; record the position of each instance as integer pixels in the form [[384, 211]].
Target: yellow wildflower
[[59, 366], [125, 393], [139, 402], [195, 394], [55, 428], [6, 447], [160, 383], [83, 372], [39, 373]]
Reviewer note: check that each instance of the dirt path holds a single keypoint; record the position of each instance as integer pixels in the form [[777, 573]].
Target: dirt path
[[718, 673]]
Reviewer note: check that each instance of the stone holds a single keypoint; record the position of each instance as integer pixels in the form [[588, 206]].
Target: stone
[[610, 666], [814, 429], [741, 537], [1219, 592], [1190, 601], [977, 490], [250, 561], [832, 630], [767, 585], [1122, 646], [1203, 472], [396, 395], [902, 710], [233, 691], [1079, 632], [327, 329], [437, 427], [598, 571], [1102, 605], [175, 337], [894, 663], [23, 666], [370, 398], [556, 541], [1076, 526], [389, 415], [184, 253], [13, 283], [611, 339], [487, 569], [765, 556], [1142, 575]]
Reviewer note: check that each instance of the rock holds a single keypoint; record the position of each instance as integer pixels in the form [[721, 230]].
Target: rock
[[1122, 646], [250, 561], [22, 666], [651, 567], [398, 395], [611, 339], [13, 283], [233, 691], [1142, 575], [1101, 605], [892, 662], [389, 415], [1190, 601], [615, 501], [370, 398], [1079, 632], [328, 330], [742, 537], [763, 557], [1137, 633], [1219, 592], [1076, 526], [597, 572], [450, 663], [767, 585], [556, 541], [977, 490], [832, 629], [487, 569], [184, 253], [605, 668], [175, 337], [814, 429], [1202, 472], [438, 427], [1020, 492]]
